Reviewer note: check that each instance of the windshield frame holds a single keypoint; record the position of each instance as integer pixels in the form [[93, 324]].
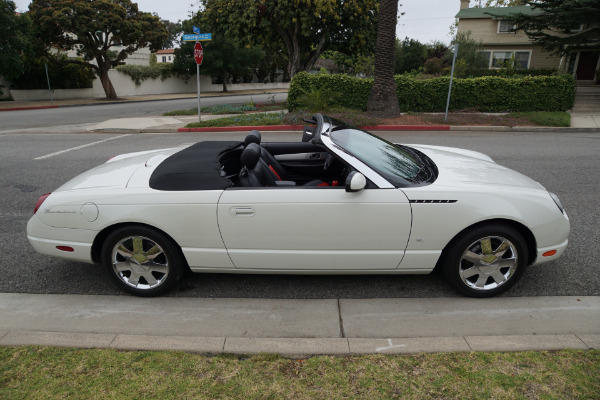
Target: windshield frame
[[423, 164]]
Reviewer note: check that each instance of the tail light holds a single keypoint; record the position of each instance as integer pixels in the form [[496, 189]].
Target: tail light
[[40, 201]]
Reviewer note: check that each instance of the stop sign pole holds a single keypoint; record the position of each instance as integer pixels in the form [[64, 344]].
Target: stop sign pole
[[198, 56]]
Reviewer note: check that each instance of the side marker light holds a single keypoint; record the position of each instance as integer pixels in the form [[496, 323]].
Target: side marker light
[[65, 248], [549, 253]]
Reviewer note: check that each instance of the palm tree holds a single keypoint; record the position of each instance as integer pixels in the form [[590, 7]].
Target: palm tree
[[383, 99]]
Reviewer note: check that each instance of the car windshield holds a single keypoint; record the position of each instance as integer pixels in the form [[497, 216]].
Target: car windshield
[[396, 163]]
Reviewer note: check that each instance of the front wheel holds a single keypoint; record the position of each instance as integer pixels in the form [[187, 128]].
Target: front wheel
[[142, 261], [486, 261]]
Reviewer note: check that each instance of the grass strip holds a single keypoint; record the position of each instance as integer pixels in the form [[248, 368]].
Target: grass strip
[[34, 372], [241, 120], [545, 118]]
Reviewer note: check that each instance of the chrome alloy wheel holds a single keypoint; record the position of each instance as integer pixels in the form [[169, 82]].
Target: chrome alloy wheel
[[140, 262], [488, 263]]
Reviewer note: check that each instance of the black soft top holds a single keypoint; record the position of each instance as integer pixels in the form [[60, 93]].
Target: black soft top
[[194, 168]]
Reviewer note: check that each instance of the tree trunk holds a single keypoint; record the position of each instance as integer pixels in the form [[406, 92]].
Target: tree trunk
[[224, 82], [107, 85], [383, 100]]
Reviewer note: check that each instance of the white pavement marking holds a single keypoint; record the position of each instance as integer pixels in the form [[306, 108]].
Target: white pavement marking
[[79, 147]]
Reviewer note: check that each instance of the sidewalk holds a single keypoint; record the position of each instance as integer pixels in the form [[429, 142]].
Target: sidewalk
[[300, 326], [580, 122]]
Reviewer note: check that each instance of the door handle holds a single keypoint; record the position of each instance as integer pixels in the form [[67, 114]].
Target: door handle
[[241, 211]]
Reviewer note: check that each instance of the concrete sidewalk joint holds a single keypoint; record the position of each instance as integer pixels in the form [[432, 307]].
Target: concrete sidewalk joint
[[291, 347]]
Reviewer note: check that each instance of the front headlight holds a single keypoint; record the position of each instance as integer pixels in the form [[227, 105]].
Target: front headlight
[[557, 201]]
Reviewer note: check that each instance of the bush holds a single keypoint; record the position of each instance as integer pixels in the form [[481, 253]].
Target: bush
[[69, 76], [139, 73], [491, 94]]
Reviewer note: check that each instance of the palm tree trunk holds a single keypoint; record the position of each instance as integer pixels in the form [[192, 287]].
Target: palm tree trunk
[[383, 100]]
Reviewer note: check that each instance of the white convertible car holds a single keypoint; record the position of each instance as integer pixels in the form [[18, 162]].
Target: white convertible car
[[342, 201]]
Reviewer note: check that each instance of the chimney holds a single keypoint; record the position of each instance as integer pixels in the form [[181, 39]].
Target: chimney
[[464, 4]]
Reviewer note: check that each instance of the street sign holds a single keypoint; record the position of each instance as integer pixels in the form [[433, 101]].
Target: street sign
[[195, 29], [198, 53], [194, 38]]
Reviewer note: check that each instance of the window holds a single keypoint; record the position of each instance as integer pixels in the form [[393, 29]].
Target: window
[[169, 58], [164, 58], [516, 59], [505, 26]]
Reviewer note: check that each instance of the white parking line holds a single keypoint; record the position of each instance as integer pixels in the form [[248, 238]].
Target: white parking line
[[79, 147]]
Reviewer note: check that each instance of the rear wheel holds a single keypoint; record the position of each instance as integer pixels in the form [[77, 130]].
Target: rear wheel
[[142, 261], [486, 261]]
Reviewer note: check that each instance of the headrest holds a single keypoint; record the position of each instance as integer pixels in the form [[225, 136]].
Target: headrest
[[251, 155], [253, 137]]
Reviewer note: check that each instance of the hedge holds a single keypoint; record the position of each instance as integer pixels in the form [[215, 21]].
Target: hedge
[[488, 94]]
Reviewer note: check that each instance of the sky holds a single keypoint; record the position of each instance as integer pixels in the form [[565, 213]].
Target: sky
[[424, 20]]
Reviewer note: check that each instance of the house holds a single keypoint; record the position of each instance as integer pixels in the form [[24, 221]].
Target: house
[[493, 28], [165, 56]]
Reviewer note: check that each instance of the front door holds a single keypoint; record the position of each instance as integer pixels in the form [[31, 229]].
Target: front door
[[587, 64], [320, 229]]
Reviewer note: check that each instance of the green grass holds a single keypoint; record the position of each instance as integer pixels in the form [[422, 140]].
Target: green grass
[[57, 373], [241, 120], [229, 109], [546, 118]]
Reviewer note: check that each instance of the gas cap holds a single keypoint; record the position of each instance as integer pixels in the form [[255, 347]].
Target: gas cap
[[89, 212]]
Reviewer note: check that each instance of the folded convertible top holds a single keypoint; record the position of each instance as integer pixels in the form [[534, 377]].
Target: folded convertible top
[[194, 168]]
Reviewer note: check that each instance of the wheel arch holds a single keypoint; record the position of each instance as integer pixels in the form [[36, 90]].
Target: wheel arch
[[522, 229], [103, 234]]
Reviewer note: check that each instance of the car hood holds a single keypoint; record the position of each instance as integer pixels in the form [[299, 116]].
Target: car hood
[[117, 171], [460, 168]]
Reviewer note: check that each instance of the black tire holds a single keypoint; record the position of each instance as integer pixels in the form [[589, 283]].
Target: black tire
[[485, 261], [142, 261]]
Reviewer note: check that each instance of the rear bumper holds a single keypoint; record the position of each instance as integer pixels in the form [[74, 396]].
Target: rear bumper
[[46, 240]]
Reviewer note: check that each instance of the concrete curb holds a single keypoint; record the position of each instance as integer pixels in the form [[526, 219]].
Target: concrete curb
[[302, 346], [287, 128]]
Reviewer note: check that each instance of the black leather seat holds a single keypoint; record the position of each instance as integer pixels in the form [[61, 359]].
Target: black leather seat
[[255, 137], [255, 172]]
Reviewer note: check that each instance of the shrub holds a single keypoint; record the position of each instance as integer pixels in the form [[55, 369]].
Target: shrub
[[491, 94], [433, 66], [139, 73]]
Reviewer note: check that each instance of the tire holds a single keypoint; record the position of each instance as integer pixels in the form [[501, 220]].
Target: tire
[[142, 261], [485, 261]]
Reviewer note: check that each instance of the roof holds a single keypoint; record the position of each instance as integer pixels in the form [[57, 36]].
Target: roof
[[494, 12], [166, 51]]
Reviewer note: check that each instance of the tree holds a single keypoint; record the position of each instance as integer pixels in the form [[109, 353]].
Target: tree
[[470, 55], [15, 41], [383, 99], [92, 28], [224, 58], [174, 29], [305, 27], [555, 24], [410, 55]]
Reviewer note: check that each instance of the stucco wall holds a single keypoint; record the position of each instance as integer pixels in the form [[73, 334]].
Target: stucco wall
[[57, 94], [126, 87]]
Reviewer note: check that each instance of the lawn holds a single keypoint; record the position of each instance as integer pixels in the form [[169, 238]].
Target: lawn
[[55, 373]]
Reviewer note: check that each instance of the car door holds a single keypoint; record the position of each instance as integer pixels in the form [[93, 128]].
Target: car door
[[321, 229]]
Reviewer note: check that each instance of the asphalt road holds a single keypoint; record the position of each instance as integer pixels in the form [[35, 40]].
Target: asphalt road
[[565, 163], [65, 119]]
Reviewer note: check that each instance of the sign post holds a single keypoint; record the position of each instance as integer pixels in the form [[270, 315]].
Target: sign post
[[451, 76], [198, 56]]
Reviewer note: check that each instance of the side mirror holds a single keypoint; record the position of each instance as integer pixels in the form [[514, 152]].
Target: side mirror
[[355, 182]]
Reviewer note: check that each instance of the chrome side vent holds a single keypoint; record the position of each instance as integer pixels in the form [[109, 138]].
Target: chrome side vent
[[433, 201]]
